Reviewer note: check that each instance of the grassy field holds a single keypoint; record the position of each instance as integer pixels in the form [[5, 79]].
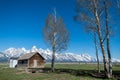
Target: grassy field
[[62, 72]]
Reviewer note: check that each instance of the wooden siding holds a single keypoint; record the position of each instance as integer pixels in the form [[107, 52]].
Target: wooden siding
[[39, 64]]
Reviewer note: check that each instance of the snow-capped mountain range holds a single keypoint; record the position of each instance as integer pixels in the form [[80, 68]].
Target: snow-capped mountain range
[[63, 57]]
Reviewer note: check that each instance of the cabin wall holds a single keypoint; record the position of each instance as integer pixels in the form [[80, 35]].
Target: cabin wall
[[36, 61], [13, 63], [23, 63]]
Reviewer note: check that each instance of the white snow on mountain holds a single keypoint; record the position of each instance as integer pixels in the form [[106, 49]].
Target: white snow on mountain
[[1, 55], [47, 54], [15, 52], [115, 60]]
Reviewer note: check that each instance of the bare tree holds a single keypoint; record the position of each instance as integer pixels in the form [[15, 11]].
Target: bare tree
[[96, 49], [96, 43], [108, 31], [56, 34], [90, 11]]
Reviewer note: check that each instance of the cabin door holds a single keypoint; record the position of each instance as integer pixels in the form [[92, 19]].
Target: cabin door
[[35, 63]]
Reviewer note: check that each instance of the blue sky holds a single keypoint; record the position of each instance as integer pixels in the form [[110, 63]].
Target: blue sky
[[22, 21]]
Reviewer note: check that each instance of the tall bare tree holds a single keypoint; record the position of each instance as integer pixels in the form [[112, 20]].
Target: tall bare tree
[[96, 49], [56, 34], [90, 11], [108, 32], [96, 43]]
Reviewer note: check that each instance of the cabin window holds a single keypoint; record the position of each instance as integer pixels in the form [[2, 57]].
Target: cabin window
[[19, 62], [22, 61], [25, 61]]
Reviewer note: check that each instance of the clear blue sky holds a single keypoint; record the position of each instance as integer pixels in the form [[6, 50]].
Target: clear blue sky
[[22, 21]]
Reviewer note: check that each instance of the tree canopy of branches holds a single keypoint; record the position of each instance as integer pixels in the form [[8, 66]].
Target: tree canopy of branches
[[56, 35], [94, 14], [118, 4]]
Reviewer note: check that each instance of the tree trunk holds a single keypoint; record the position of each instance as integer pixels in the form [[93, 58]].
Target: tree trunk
[[104, 55], [109, 58], [96, 48], [108, 41], [53, 59], [100, 38], [53, 54]]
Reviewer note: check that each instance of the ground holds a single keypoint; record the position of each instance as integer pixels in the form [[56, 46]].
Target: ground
[[63, 71]]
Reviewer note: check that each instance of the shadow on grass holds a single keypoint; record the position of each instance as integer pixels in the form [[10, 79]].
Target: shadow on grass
[[92, 73]]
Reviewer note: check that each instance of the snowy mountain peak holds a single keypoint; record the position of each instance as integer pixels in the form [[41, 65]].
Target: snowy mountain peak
[[34, 49], [23, 49], [47, 51], [10, 50]]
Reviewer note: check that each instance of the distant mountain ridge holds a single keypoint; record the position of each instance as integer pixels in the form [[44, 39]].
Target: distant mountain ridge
[[3, 58], [65, 57]]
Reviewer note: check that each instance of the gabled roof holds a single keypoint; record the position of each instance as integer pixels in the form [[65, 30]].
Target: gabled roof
[[28, 56], [14, 58]]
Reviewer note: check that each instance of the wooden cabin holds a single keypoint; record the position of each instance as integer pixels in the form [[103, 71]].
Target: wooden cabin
[[31, 60]]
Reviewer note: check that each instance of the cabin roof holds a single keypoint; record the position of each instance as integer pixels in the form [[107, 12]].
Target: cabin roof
[[29, 55], [14, 58]]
